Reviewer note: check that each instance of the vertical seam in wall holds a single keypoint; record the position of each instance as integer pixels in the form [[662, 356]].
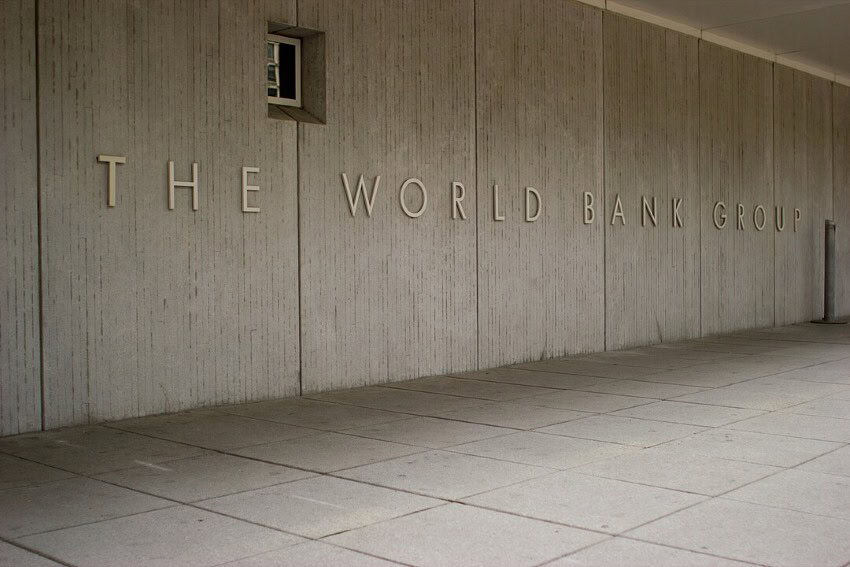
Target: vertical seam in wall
[[773, 172], [700, 181], [602, 90], [475, 168], [38, 218], [298, 131]]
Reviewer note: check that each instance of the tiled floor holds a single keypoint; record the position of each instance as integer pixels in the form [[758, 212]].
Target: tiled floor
[[723, 451]]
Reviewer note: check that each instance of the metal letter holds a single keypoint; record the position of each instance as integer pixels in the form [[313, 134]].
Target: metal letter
[[246, 188], [653, 218], [458, 193], [361, 190], [798, 214], [740, 208], [618, 211], [779, 214], [529, 191], [589, 212], [496, 215], [110, 184], [759, 226], [190, 184], [408, 212], [677, 219], [721, 217]]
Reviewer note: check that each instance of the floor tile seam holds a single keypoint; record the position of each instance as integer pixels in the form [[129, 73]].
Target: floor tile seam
[[787, 508], [615, 414], [468, 396], [452, 450], [580, 549], [539, 519], [671, 546], [841, 442], [171, 505], [302, 543], [787, 410], [518, 429], [364, 436], [720, 405], [318, 472], [645, 401], [654, 398], [622, 444], [636, 483], [312, 432], [412, 414], [376, 484], [474, 380], [35, 551], [585, 374]]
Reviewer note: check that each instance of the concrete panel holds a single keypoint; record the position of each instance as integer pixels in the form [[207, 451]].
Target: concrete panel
[[803, 178], [20, 389], [388, 297], [736, 166], [841, 193], [539, 124], [652, 152], [147, 309]]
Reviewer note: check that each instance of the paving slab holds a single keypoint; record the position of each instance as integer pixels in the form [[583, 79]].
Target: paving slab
[[93, 450], [429, 432], [442, 474], [752, 447], [754, 533], [65, 503], [481, 389], [327, 452], [625, 430], [162, 538], [679, 470], [594, 503], [16, 472], [689, 413], [803, 491], [311, 554], [466, 536], [314, 414], [513, 415], [318, 506], [623, 551], [542, 450], [199, 478]]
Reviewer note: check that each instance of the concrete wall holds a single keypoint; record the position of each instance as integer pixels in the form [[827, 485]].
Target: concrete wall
[[652, 270], [841, 192], [146, 309], [539, 124], [20, 382]]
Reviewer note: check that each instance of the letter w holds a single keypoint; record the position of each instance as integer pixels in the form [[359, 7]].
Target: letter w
[[369, 200]]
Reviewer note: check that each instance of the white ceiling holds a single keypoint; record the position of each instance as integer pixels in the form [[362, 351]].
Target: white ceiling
[[803, 33]]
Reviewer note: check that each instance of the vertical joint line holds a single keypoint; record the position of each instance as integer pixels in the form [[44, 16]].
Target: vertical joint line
[[38, 218], [477, 188]]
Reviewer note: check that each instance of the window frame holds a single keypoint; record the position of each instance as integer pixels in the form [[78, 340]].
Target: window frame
[[296, 42]]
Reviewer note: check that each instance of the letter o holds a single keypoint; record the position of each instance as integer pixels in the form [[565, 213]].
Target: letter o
[[722, 216], [408, 212], [759, 225]]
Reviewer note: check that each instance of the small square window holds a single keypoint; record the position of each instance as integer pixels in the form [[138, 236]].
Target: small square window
[[283, 70]]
